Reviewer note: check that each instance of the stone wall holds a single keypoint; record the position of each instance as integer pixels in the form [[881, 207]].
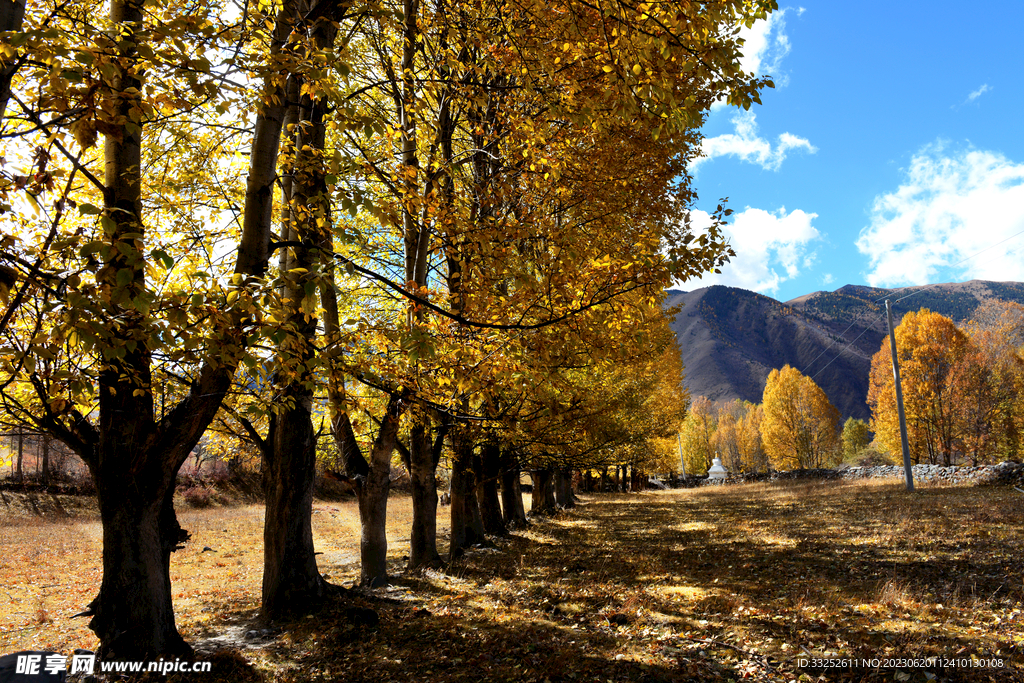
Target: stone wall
[[1003, 474]]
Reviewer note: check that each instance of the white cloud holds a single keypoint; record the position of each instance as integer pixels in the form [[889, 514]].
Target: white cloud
[[749, 146], [949, 208], [978, 93], [770, 248], [766, 45]]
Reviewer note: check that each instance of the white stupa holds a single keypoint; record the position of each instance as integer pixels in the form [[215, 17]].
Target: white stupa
[[717, 471]]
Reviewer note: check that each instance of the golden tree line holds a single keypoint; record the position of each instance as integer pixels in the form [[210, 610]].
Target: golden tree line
[[794, 427], [424, 227], [963, 393]]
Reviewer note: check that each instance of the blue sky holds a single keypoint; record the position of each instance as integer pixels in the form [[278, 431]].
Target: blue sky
[[890, 152]]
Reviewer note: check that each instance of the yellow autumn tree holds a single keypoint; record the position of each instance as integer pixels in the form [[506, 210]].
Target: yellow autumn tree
[[726, 441], [994, 414], [930, 349], [698, 434], [800, 425], [753, 457]]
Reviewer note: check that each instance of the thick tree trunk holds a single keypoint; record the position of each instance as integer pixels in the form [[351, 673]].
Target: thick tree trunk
[[543, 492], [133, 615], [423, 459], [291, 581], [373, 500], [467, 527], [563, 489], [513, 510], [488, 471], [373, 540]]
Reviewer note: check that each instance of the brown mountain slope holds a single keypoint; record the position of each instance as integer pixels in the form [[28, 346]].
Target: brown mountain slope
[[732, 338]]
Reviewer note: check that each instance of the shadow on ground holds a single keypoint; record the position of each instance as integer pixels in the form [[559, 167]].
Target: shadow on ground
[[734, 584]]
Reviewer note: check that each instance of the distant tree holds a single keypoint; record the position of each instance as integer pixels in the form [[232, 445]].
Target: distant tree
[[698, 434], [930, 347], [994, 412], [753, 456], [800, 425], [856, 437], [726, 441]]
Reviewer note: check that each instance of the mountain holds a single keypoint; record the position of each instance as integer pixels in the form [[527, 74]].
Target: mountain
[[732, 338]]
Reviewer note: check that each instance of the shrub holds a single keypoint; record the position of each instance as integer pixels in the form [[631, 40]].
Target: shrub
[[198, 496]]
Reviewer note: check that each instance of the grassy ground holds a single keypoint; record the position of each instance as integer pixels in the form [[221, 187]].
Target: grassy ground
[[707, 584]]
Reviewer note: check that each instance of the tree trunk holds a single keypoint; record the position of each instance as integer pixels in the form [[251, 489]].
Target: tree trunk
[[291, 581], [543, 492], [133, 615], [423, 459], [513, 511], [488, 471], [373, 481], [563, 489], [373, 540], [19, 475], [467, 527]]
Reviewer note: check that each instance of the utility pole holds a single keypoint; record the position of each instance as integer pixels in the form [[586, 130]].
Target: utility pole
[[907, 469]]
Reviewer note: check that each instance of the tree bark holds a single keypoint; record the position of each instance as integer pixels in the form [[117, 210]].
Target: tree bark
[[372, 480], [423, 459], [543, 492], [467, 527], [291, 581], [489, 470], [563, 489], [513, 511], [133, 615]]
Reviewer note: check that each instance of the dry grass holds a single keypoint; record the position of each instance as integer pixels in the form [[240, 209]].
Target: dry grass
[[707, 584], [50, 566]]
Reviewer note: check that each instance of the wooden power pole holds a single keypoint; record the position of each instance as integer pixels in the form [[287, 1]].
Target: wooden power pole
[[907, 469]]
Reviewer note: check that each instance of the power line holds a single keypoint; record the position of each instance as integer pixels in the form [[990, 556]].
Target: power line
[[866, 328], [954, 265], [920, 289]]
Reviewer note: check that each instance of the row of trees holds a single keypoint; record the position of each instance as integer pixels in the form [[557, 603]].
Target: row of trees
[[794, 427], [455, 226], [962, 390], [962, 387]]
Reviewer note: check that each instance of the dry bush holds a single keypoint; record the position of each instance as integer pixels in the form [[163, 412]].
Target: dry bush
[[198, 496]]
